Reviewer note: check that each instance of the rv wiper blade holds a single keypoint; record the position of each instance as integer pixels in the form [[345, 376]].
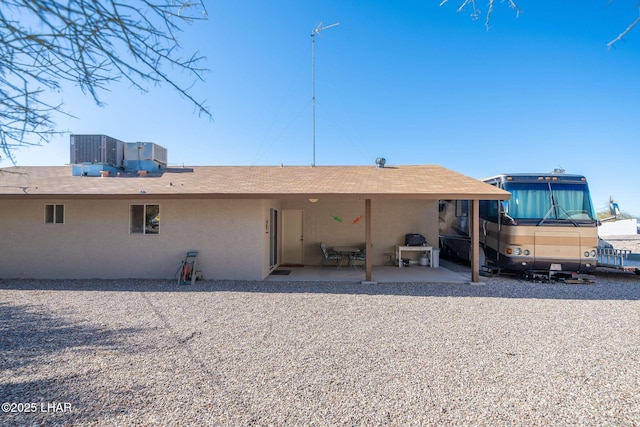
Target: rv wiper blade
[[568, 216], [544, 218], [553, 204], [560, 208]]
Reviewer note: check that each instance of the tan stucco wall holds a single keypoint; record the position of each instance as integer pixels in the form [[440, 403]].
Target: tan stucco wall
[[94, 241], [391, 221], [232, 236]]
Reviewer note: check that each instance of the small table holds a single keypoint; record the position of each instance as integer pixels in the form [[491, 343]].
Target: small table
[[346, 250], [426, 249]]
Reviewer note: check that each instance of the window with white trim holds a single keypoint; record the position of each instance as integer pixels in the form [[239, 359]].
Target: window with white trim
[[144, 219], [54, 214]]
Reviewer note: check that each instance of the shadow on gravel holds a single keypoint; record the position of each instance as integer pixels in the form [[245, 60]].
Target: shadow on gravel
[[33, 345], [607, 286]]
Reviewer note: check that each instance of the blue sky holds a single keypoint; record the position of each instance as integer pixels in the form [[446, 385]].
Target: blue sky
[[411, 81]]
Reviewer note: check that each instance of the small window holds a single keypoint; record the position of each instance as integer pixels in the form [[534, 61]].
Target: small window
[[54, 214], [144, 219]]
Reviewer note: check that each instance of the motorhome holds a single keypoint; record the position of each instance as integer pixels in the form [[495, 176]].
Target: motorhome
[[549, 224]]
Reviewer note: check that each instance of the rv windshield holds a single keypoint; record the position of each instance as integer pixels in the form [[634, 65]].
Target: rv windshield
[[550, 201]]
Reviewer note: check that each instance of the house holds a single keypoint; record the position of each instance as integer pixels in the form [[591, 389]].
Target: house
[[244, 220]]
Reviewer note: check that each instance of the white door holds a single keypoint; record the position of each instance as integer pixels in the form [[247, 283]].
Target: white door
[[292, 237]]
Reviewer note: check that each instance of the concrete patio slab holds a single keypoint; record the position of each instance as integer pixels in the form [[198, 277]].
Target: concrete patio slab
[[381, 274]]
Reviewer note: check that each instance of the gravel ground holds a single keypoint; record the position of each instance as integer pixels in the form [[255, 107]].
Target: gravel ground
[[628, 242], [506, 352]]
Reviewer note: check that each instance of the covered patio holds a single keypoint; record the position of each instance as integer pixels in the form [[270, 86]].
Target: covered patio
[[388, 203]]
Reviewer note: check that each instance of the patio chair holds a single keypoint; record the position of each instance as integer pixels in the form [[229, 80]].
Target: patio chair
[[330, 256], [357, 256]]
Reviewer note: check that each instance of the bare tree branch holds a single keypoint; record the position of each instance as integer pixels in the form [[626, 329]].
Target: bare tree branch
[[624, 33], [475, 14], [512, 5], [91, 43]]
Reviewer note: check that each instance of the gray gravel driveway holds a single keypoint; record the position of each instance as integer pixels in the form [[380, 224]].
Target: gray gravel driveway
[[253, 353]]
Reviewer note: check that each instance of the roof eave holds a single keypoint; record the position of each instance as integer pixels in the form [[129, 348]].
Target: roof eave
[[181, 196]]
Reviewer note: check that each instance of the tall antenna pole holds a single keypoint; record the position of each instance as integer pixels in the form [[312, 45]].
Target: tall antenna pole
[[313, 82]]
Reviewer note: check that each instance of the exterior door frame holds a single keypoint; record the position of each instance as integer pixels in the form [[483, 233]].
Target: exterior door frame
[[273, 237]]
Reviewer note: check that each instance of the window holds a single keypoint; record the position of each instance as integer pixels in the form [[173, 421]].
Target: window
[[550, 201], [489, 209], [462, 208], [144, 219], [54, 214]]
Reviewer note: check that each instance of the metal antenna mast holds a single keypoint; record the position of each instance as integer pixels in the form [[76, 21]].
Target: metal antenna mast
[[313, 81]]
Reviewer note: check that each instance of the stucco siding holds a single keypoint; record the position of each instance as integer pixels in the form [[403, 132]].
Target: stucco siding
[[392, 220], [94, 241], [342, 223]]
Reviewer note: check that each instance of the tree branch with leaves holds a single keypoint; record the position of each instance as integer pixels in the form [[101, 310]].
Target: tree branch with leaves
[[45, 44]]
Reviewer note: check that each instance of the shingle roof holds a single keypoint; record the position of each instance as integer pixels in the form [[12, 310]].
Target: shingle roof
[[423, 182]]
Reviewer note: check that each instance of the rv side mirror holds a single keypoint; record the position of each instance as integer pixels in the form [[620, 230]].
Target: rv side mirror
[[504, 207]]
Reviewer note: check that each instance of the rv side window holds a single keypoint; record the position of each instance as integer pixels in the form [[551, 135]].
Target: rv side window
[[489, 210], [462, 208]]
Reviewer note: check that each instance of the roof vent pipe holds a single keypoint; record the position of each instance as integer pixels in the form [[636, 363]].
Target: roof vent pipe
[[380, 161]]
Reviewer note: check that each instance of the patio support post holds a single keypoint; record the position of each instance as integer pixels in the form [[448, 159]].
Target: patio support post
[[475, 241], [367, 227]]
